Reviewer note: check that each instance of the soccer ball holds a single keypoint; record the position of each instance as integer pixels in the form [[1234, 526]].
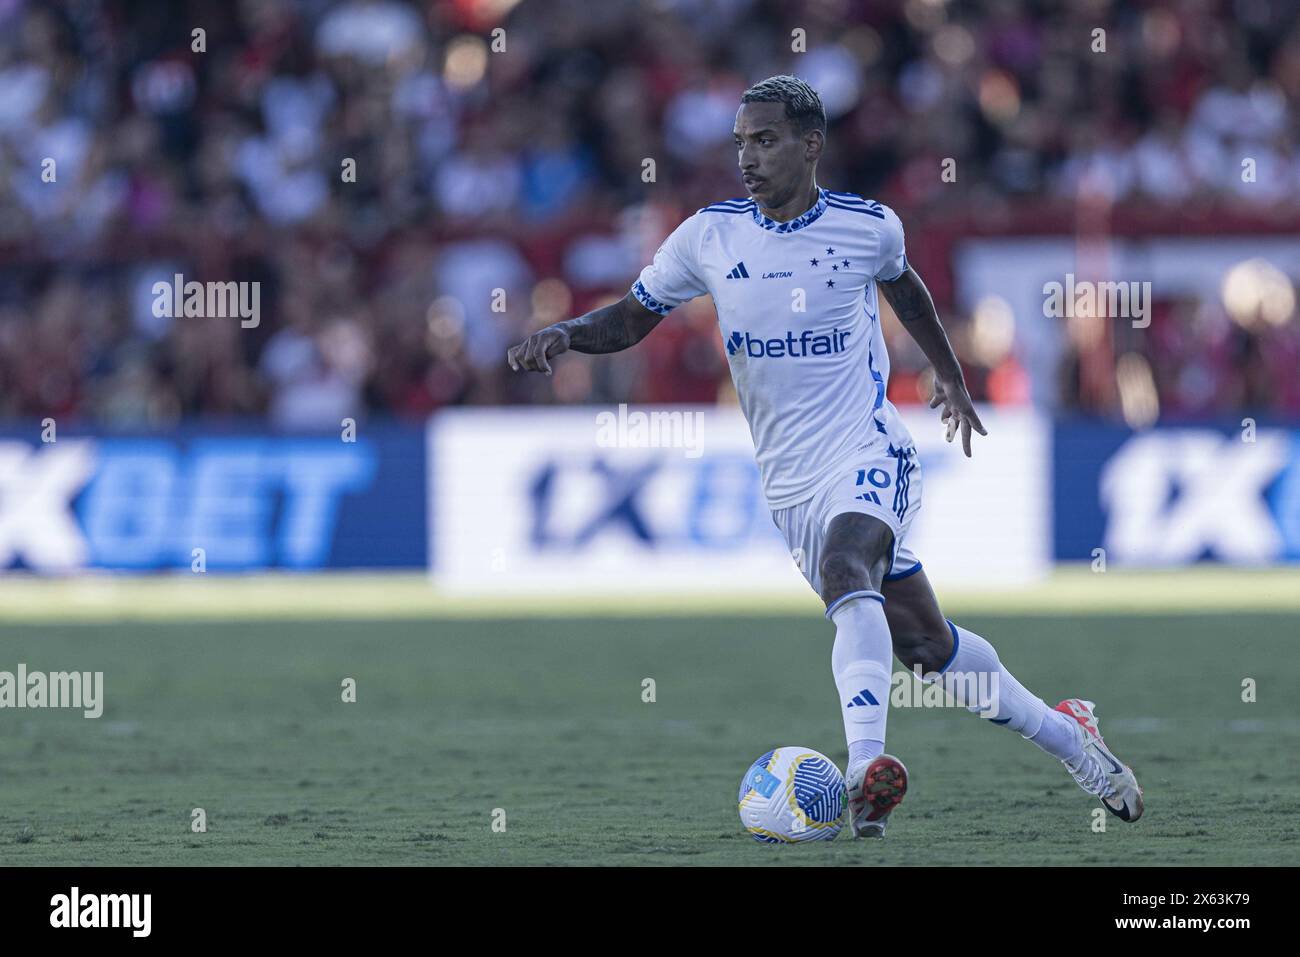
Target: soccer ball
[[791, 795]]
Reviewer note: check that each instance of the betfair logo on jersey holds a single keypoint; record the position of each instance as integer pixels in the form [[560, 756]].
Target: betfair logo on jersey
[[808, 343]]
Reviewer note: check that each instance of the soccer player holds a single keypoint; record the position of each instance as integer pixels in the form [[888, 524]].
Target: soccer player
[[794, 270]]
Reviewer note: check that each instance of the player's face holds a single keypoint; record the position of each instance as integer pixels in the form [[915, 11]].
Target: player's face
[[775, 158]]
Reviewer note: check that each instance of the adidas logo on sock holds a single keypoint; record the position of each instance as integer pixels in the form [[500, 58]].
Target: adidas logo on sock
[[738, 271], [862, 699]]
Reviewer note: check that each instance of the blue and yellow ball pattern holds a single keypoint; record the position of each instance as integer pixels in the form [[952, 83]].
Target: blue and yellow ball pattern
[[791, 795]]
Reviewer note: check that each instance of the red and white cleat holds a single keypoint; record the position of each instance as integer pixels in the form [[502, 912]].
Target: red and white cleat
[[874, 791], [1098, 771]]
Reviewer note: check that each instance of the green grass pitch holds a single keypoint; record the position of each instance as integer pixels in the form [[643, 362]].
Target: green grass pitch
[[545, 720]]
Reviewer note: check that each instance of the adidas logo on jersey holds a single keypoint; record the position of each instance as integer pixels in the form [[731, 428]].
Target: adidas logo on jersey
[[807, 344], [739, 271]]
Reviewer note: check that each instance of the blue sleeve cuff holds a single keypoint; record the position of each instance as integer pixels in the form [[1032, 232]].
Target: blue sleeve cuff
[[649, 301]]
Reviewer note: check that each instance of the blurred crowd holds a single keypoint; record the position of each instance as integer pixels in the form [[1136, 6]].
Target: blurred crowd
[[418, 185]]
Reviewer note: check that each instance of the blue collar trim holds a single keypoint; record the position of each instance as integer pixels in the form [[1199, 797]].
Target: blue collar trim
[[799, 222]]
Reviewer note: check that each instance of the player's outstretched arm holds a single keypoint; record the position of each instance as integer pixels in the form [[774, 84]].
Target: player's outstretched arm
[[912, 304], [611, 328]]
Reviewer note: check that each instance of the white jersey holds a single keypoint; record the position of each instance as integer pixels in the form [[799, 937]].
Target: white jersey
[[799, 315]]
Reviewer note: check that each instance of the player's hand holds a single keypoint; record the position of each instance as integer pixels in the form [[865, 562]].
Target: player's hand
[[958, 411], [533, 353]]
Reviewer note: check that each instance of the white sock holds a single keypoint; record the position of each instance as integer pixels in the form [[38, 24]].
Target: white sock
[[975, 678], [860, 661], [1059, 736], [861, 753]]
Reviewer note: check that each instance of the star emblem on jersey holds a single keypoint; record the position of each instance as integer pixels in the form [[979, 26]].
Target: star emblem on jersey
[[835, 266]]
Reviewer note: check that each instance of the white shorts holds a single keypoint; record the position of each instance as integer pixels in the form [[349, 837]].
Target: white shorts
[[885, 484]]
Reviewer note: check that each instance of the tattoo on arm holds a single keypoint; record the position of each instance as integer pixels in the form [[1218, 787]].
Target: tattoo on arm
[[912, 304], [611, 328], [908, 297]]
